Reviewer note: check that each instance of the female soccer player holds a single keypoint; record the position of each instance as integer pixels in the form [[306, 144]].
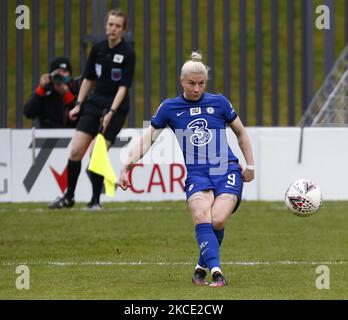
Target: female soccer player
[[110, 71], [215, 178]]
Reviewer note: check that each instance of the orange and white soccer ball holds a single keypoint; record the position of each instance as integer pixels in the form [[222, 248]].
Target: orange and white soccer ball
[[303, 198]]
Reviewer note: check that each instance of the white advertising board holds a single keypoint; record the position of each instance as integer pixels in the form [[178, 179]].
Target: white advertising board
[[39, 174], [324, 159], [160, 176], [5, 165]]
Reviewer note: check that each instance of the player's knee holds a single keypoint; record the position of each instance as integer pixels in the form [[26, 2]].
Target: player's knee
[[201, 216], [219, 222]]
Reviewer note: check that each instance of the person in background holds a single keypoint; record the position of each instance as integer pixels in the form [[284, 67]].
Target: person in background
[[54, 97], [110, 71]]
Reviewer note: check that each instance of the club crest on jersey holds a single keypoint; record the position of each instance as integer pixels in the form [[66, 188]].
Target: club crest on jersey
[[195, 111], [118, 58], [210, 110], [201, 133]]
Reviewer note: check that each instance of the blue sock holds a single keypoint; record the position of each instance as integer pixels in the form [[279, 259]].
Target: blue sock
[[219, 236], [208, 244]]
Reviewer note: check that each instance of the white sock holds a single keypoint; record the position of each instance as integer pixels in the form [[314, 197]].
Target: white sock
[[215, 269], [200, 267]]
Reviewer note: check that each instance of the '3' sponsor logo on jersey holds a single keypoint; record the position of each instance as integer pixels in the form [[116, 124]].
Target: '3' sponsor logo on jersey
[[201, 133]]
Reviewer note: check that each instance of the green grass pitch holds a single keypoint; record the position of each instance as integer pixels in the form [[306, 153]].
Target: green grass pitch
[[148, 251]]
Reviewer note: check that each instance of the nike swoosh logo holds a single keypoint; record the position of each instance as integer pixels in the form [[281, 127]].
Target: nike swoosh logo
[[180, 113]]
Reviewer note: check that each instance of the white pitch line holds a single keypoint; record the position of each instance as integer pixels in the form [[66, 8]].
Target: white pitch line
[[85, 210], [141, 263]]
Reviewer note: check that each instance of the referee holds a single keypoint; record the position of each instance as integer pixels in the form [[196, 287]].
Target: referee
[[109, 72]]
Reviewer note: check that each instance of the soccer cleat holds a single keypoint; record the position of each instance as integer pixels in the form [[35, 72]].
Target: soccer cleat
[[218, 280], [199, 277], [93, 206], [61, 203]]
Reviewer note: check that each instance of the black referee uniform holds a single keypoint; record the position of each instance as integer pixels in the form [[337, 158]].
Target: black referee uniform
[[110, 68]]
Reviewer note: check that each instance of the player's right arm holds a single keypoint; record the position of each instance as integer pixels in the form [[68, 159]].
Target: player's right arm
[[141, 146]]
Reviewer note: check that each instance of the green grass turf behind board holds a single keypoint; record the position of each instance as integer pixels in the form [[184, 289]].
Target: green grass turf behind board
[[337, 19]]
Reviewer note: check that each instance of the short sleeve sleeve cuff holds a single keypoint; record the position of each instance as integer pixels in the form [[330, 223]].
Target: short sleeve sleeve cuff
[[155, 125], [232, 118]]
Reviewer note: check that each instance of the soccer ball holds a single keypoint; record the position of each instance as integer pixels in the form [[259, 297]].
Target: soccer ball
[[303, 198]]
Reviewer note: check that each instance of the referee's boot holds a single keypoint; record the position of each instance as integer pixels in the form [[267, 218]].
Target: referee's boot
[[218, 280], [199, 277], [94, 204], [61, 203]]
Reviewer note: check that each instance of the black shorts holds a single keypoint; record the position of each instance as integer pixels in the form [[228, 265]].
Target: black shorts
[[92, 111]]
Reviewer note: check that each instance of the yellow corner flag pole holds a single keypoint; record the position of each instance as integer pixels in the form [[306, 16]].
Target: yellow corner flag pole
[[100, 164]]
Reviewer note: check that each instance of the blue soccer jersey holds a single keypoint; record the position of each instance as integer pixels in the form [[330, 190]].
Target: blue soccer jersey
[[200, 128]]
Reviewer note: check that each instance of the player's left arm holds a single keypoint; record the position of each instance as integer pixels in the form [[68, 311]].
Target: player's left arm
[[245, 146]]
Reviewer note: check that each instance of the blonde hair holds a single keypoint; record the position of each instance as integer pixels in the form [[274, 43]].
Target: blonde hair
[[194, 65]]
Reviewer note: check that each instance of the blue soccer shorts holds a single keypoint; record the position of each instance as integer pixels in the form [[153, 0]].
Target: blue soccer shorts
[[231, 181]]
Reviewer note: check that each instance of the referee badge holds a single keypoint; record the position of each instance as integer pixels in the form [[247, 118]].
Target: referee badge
[[118, 58]]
